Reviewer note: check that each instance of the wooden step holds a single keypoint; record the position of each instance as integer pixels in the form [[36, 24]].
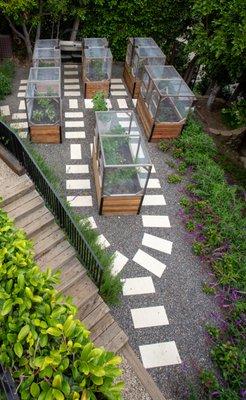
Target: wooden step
[[21, 201], [45, 244], [12, 193], [113, 338], [26, 208], [36, 221], [45, 232], [83, 292], [98, 311], [70, 274], [57, 256], [101, 326]]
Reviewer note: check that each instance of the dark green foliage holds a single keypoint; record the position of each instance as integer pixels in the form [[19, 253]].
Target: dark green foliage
[[234, 116], [47, 350], [6, 77], [214, 213], [174, 178], [99, 102]]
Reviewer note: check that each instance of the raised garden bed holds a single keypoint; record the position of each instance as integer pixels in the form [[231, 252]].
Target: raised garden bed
[[121, 164]]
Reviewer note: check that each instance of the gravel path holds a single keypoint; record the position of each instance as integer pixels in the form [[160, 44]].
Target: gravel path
[[179, 289]]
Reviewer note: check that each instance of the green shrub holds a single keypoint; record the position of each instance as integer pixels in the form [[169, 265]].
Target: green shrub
[[234, 116], [7, 68], [5, 86], [99, 102], [173, 178], [47, 350]]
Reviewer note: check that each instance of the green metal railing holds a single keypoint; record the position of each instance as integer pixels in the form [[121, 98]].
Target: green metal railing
[[86, 255]]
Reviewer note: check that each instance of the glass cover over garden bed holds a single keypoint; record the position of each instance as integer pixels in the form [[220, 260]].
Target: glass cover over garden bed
[[137, 42], [47, 43], [97, 64], [123, 161], [166, 94], [43, 96], [95, 42], [146, 56], [43, 57]]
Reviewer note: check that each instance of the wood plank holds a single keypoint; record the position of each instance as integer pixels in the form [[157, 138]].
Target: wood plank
[[44, 221], [145, 117], [142, 374], [101, 326], [11, 161], [49, 242], [118, 342], [45, 133], [24, 199], [10, 194], [166, 130], [108, 335], [27, 208], [96, 314], [83, 292], [32, 218], [45, 232], [70, 274], [55, 257]]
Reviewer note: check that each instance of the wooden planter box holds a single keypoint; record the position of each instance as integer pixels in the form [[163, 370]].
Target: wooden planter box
[[91, 88], [133, 84], [114, 205], [45, 133], [155, 131]]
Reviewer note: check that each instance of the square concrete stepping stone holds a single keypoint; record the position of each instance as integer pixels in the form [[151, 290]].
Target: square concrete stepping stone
[[118, 93], [23, 81], [75, 151], [5, 110], [92, 222], [74, 114], [77, 169], [135, 286], [119, 262], [71, 87], [122, 103], [156, 221], [154, 200], [116, 80], [75, 135], [22, 87], [80, 201], [71, 80], [159, 354], [117, 86], [147, 317], [22, 105], [21, 94], [150, 263], [73, 103], [103, 241], [70, 73], [72, 94], [70, 66], [19, 116], [74, 124], [78, 184], [154, 183], [157, 243], [19, 125]]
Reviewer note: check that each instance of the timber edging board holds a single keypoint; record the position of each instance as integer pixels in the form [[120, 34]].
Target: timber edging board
[[11, 161]]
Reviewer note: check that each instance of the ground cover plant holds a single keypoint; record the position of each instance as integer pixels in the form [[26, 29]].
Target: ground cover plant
[[213, 211], [48, 351], [6, 77]]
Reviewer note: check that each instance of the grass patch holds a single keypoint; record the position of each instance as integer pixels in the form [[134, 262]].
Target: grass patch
[[7, 70], [111, 285], [174, 178]]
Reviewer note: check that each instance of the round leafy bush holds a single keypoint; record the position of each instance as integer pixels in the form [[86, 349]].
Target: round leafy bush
[[47, 350]]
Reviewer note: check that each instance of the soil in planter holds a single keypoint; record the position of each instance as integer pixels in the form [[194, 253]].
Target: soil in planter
[[167, 112], [40, 113], [120, 180]]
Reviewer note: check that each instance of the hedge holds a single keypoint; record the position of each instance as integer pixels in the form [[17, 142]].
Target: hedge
[[47, 350], [6, 77]]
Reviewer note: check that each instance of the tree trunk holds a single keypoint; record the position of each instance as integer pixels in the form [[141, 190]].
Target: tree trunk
[[38, 30], [191, 70], [27, 42], [213, 93], [75, 29]]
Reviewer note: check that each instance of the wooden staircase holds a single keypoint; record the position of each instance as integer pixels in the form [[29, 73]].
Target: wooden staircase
[[26, 207]]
